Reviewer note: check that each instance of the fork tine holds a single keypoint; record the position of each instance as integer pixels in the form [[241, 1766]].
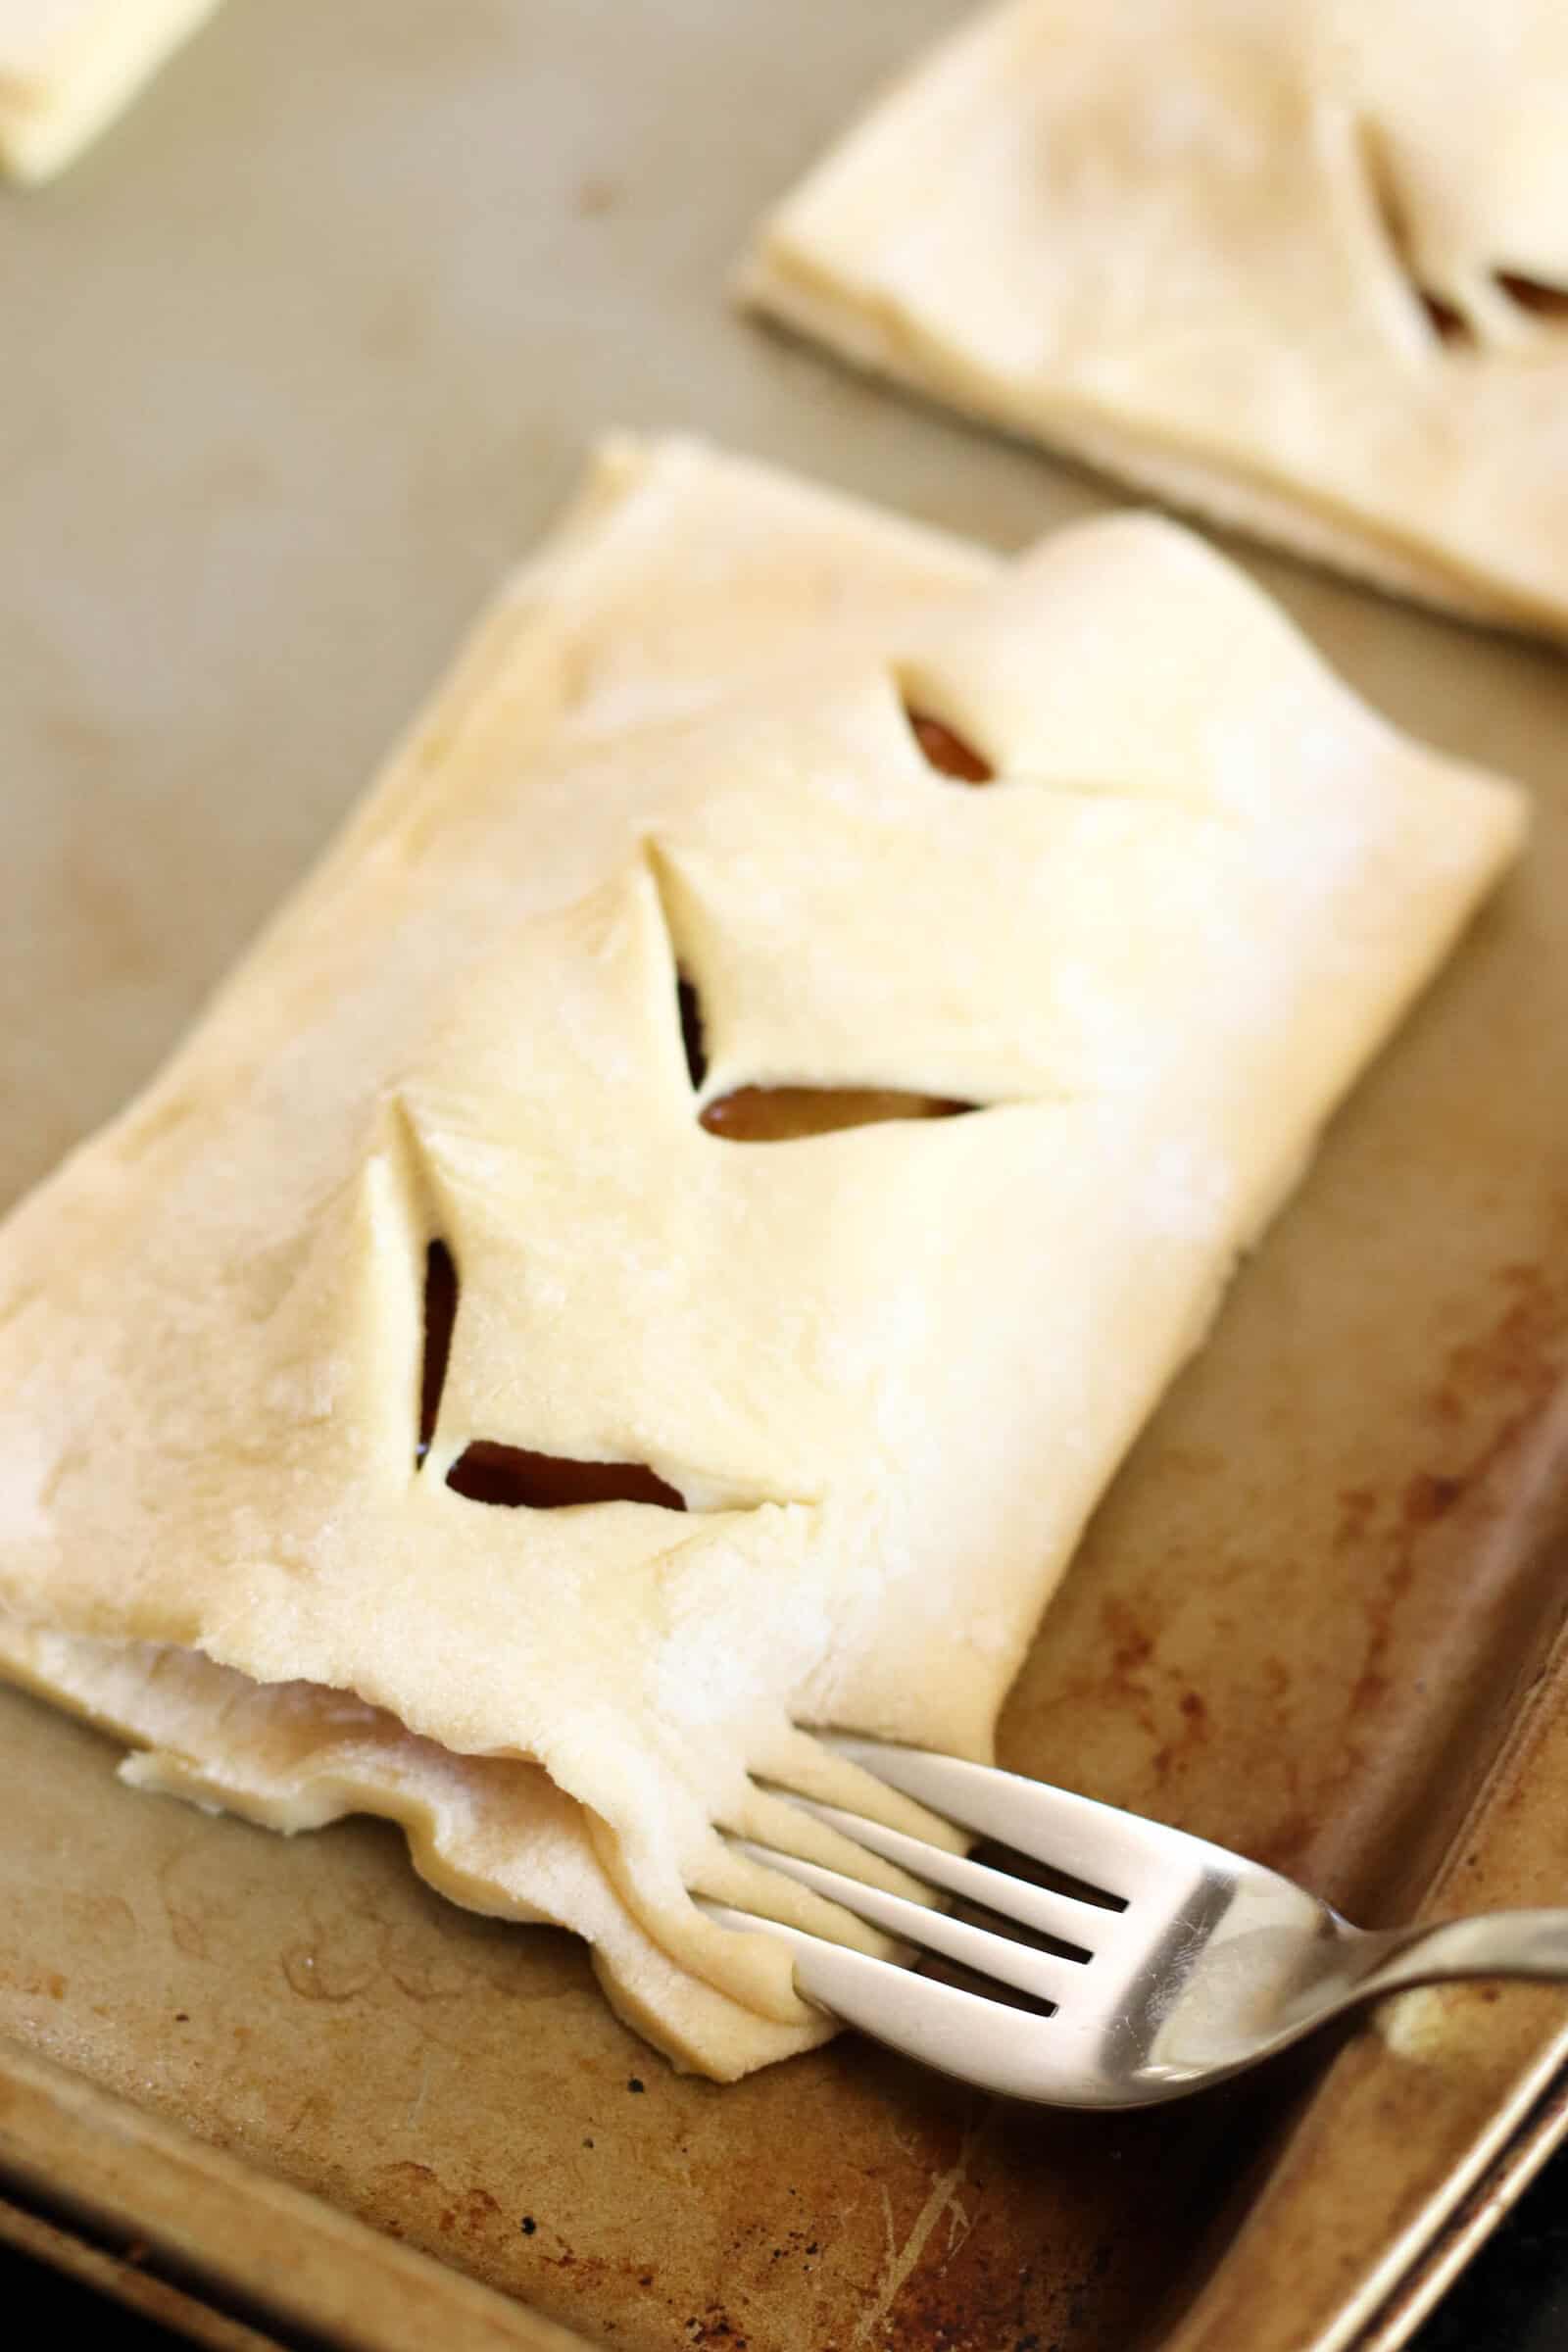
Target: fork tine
[[962, 2033], [1041, 1974], [1065, 1916], [1098, 1843]]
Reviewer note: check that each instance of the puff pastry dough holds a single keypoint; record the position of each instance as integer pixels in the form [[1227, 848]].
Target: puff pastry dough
[[886, 1370], [68, 67], [1301, 265]]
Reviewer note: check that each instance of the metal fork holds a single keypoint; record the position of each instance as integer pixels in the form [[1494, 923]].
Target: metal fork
[[1191, 1965]]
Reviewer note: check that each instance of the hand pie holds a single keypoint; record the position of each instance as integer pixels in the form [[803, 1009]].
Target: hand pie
[[665, 1239], [1301, 265], [68, 67]]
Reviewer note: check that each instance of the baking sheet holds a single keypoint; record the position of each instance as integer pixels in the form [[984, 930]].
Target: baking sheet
[[294, 366]]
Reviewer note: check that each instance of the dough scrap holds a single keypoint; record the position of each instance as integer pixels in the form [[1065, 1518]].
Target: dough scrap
[[1301, 266], [888, 1370], [68, 67]]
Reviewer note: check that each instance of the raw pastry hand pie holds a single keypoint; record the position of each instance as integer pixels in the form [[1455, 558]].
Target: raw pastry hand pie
[[668, 1236], [68, 68], [1301, 265]]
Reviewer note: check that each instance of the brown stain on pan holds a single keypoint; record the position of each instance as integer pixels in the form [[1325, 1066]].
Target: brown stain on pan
[[112, 935], [1410, 1569], [469, 2213], [1438, 1572]]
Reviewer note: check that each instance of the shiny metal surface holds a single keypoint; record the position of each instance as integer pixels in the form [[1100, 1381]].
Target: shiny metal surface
[[1198, 1964]]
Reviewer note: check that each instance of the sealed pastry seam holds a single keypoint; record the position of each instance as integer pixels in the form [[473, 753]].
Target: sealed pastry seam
[[1056, 972], [1302, 268]]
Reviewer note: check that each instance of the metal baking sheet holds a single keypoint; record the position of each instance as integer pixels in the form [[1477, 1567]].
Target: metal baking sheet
[[294, 365]]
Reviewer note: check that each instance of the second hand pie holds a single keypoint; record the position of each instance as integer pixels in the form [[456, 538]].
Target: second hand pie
[[665, 1239], [1299, 264]]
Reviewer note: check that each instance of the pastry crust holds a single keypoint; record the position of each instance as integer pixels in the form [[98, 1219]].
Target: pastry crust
[[68, 67], [887, 1370], [1286, 264]]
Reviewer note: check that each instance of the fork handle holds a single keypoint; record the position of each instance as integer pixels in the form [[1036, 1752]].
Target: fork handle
[[1494, 1944]]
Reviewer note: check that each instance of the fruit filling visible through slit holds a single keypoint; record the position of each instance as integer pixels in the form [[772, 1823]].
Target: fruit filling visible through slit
[[440, 1314], [947, 752], [1532, 294], [783, 1114], [518, 1479], [691, 1030]]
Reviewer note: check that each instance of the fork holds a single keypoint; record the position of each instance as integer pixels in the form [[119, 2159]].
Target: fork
[[1185, 1964]]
